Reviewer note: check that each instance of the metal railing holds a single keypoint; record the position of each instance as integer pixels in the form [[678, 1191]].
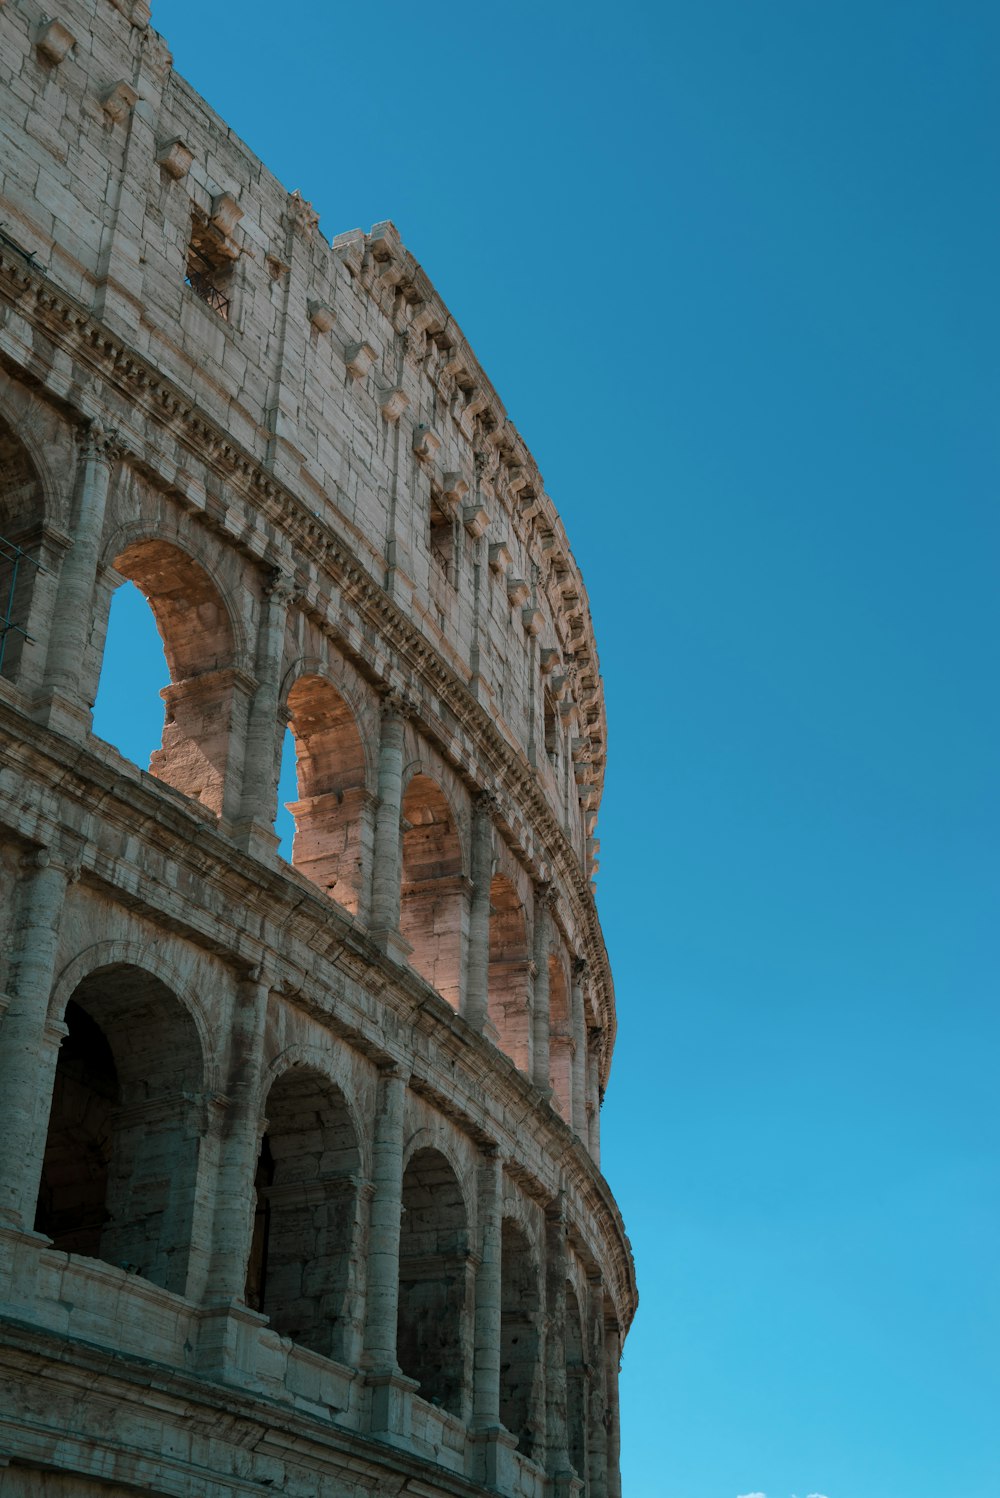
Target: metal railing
[[201, 277], [14, 557]]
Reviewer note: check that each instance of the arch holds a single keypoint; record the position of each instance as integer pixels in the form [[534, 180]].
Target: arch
[[333, 813], [507, 983], [576, 1386], [433, 903], [520, 1309], [434, 1280], [560, 1040], [121, 1154], [22, 516], [302, 1270], [199, 638]]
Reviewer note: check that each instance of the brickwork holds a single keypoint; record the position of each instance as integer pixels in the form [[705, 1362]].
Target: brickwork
[[312, 1148]]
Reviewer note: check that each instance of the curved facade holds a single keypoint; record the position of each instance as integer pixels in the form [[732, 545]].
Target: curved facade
[[301, 1185]]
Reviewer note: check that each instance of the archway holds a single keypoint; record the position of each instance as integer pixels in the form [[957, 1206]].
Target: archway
[[301, 1272], [121, 1152], [433, 1280], [520, 1373], [508, 972], [333, 826], [433, 904]]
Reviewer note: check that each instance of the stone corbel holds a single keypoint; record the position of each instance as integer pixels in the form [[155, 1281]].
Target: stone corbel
[[517, 590], [174, 157], [518, 478], [225, 215], [453, 490], [476, 519], [533, 621], [54, 41], [476, 403], [548, 660], [119, 100], [426, 442], [300, 214], [359, 358], [393, 402], [321, 315], [500, 557]]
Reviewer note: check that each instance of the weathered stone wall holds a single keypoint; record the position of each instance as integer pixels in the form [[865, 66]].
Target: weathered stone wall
[[312, 1149]]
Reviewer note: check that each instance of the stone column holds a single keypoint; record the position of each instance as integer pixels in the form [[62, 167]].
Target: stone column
[[239, 1146], [383, 1235], [388, 854], [613, 1353], [578, 1018], [476, 1004], [597, 1435], [544, 899], [594, 1095], [556, 1447], [486, 1357], [255, 829], [28, 1043], [63, 705]]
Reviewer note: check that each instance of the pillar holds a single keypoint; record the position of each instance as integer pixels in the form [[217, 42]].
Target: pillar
[[556, 1447], [384, 1224], [28, 1043], [388, 852], [241, 1129], [613, 1353], [597, 1435], [486, 1357], [478, 967], [63, 704], [578, 1020], [594, 1095], [255, 830], [544, 898]]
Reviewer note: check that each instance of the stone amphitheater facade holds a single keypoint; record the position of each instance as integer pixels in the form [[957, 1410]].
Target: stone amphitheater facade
[[300, 1187]]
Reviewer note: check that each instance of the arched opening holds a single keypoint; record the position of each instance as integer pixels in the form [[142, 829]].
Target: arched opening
[[198, 645], [333, 826], [128, 708], [433, 1280], [576, 1387], [301, 1272], [433, 906], [22, 513], [508, 972], [520, 1373], [560, 1040], [121, 1153]]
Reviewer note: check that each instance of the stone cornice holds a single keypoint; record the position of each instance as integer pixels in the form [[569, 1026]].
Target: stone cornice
[[72, 327]]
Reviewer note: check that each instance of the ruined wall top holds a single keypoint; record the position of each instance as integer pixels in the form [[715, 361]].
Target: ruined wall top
[[336, 368]]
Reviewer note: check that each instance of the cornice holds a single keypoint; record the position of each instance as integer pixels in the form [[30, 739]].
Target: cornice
[[147, 390]]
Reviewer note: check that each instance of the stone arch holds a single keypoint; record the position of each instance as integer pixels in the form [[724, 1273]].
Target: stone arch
[[434, 898], [560, 1039], [121, 1154], [576, 1385], [334, 825], [434, 1280], [521, 1399], [23, 511], [507, 985], [303, 1270], [203, 648]]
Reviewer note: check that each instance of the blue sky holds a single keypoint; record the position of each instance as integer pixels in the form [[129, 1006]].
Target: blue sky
[[732, 268]]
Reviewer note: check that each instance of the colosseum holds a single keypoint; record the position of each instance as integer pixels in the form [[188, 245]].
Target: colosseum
[[300, 1188]]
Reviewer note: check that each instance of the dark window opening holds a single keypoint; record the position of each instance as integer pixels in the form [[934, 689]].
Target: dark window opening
[[209, 269], [442, 540]]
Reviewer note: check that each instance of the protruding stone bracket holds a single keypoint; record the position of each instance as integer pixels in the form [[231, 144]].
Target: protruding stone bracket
[[500, 557], [533, 621], [453, 490], [517, 590], [225, 215], [119, 100], [393, 403], [174, 157], [54, 41], [426, 442], [476, 519], [359, 358], [321, 315]]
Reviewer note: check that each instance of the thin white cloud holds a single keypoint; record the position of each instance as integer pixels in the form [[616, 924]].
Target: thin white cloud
[[751, 1495]]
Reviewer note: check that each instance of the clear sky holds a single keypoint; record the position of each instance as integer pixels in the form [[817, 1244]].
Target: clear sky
[[732, 267]]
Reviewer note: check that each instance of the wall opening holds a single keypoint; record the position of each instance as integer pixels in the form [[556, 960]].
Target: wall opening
[[128, 708], [508, 972], [332, 812], [21, 520], [433, 904], [209, 269], [433, 1280], [520, 1374], [302, 1271], [121, 1152]]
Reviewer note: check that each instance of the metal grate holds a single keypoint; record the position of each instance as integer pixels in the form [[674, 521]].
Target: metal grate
[[13, 557], [202, 277]]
